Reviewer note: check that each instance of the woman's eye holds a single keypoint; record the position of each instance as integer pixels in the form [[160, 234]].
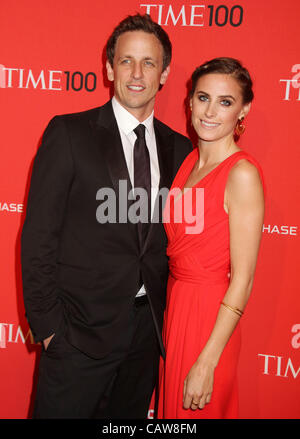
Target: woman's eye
[[149, 63], [202, 98], [226, 102]]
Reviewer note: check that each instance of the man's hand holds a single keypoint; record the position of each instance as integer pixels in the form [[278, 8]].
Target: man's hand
[[47, 341]]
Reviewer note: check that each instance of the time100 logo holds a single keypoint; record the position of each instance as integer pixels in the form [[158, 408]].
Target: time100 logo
[[222, 15], [195, 15], [77, 81]]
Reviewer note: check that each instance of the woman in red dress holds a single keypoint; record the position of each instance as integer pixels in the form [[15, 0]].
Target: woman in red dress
[[212, 260]]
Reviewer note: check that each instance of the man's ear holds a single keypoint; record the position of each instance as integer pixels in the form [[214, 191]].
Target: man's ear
[[110, 71], [164, 75]]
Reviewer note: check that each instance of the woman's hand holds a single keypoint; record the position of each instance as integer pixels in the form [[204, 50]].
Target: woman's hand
[[198, 385]]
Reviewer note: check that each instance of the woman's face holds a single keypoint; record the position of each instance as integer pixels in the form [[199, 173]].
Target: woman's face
[[216, 106]]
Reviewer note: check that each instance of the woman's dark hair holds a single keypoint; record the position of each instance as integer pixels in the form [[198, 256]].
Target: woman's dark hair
[[228, 66], [146, 24]]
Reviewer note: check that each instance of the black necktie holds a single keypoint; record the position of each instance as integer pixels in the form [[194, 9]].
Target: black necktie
[[142, 177]]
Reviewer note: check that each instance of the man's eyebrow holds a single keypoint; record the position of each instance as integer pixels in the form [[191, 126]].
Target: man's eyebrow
[[130, 56]]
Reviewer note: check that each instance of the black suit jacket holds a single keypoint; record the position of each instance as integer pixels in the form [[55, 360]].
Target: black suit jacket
[[79, 276]]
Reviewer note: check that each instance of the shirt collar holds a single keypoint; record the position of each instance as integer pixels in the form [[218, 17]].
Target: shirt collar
[[127, 122]]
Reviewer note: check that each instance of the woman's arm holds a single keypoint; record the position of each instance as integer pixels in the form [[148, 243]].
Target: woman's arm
[[244, 201]]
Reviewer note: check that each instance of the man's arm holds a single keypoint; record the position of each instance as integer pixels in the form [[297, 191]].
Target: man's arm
[[50, 184]]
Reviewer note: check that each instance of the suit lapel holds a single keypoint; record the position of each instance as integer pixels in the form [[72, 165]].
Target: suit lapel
[[107, 137], [165, 153]]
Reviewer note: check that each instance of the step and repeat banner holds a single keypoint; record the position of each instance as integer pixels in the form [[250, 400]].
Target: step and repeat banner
[[52, 61]]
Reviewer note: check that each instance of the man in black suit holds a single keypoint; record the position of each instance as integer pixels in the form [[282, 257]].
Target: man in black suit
[[94, 284]]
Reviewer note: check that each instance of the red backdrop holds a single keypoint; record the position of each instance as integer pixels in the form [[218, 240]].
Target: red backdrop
[[52, 62]]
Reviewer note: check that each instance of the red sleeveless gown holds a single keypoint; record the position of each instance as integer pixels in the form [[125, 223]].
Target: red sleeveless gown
[[198, 280]]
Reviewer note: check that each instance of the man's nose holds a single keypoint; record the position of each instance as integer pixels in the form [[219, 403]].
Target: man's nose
[[137, 70]]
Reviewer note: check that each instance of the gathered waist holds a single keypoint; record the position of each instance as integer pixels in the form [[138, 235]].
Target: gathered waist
[[197, 274]]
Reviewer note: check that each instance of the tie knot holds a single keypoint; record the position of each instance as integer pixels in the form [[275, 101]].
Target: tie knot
[[140, 131]]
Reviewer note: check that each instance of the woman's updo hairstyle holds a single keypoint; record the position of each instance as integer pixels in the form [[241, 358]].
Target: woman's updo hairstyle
[[227, 66]]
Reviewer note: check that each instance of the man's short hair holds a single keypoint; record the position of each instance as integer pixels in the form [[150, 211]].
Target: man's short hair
[[143, 23]]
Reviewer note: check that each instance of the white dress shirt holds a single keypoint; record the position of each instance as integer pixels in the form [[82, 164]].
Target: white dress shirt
[[127, 123]]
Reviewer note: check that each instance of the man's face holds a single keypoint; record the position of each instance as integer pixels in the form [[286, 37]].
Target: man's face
[[137, 72]]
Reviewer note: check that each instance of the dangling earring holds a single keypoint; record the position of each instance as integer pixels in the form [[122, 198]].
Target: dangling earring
[[240, 127]]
